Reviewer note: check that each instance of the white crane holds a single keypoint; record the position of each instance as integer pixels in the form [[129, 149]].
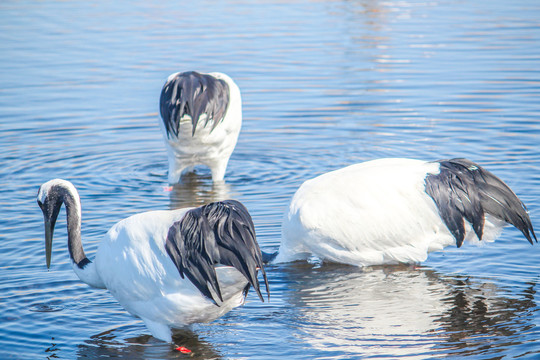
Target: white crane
[[391, 211], [169, 268], [201, 118]]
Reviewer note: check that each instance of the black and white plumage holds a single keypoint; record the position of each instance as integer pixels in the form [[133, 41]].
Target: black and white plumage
[[201, 118], [169, 268], [397, 211], [463, 190]]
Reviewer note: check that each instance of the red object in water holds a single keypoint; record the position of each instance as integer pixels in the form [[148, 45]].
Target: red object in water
[[183, 350]]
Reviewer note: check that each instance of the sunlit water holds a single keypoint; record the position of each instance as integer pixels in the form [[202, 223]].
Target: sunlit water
[[324, 84]]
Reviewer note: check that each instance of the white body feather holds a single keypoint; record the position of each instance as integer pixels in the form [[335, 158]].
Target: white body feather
[[134, 266], [372, 213]]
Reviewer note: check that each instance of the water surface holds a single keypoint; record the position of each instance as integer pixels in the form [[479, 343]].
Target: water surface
[[325, 84]]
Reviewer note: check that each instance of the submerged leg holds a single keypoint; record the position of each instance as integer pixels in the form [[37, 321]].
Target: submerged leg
[[175, 170], [218, 169], [158, 330]]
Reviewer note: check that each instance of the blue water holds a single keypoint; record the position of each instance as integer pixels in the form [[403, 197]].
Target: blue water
[[325, 84]]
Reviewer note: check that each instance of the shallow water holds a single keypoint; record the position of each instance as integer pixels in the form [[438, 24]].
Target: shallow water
[[324, 85]]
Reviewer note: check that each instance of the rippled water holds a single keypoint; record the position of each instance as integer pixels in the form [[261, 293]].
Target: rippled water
[[324, 84]]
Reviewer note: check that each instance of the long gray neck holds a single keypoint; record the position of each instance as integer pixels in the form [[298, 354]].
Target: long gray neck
[[82, 266], [73, 211]]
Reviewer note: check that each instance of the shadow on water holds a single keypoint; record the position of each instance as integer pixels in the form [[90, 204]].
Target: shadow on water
[[403, 311], [108, 345], [197, 190], [470, 319]]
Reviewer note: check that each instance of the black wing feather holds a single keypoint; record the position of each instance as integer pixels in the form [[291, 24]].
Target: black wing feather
[[193, 94], [217, 233], [464, 191], [235, 235], [193, 250]]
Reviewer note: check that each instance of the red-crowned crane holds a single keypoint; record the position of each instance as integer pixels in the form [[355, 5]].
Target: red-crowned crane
[[201, 118], [170, 268], [391, 211]]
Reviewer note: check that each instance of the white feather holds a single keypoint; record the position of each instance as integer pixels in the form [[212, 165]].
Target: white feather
[[135, 267]]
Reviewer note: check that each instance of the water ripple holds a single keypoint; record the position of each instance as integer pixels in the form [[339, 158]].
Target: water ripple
[[46, 307], [324, 85]]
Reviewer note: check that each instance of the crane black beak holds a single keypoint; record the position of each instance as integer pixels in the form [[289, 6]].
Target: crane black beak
[[49, 229], [50, 211]]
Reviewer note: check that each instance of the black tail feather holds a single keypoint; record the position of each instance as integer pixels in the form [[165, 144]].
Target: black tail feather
[[464, 190], [217, 233], [191, 93], [234, 232]]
